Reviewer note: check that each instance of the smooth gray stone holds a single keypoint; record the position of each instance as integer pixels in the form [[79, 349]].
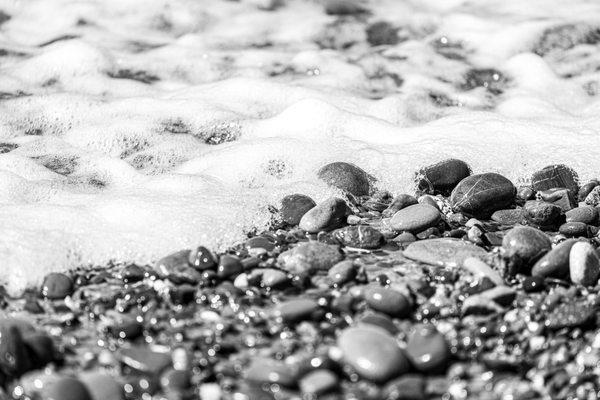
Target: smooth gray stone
[[444, 252]]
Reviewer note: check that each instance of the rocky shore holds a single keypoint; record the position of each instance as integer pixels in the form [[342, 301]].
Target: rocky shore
[[469, 288]]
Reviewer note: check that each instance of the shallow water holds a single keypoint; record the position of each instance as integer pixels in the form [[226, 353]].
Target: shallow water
[[130, 131]]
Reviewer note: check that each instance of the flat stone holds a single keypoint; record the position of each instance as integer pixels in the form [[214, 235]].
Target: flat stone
[[326, 216], [573, 229], [347, 177], [527, 243], [586, 214], [570, 315], [142, 359], [508, 217], [296, 310], [555, 176], [67, 389], [480, 195], [342, 272], [176, 268], [398, 203], [427, 349], [266, 370], [388, 301], [443, 252], [373, 353], [415, 218], [584, 264], [542, 215], [57, 286], [309, 256], [102, 386], [442, 178], [318, 382], [360, 236], [555, 264], [294, 206], [480, 269], [560, 197]]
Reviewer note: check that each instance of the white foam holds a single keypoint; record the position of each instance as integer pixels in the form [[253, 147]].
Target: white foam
[[243, 107]]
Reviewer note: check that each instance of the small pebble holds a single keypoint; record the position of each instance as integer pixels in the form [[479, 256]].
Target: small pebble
[[533, 284], [427, 349], [388, 301], [347, 177], [57, 286], [584, 264], [326, 216], [318, 382], [415, 218]]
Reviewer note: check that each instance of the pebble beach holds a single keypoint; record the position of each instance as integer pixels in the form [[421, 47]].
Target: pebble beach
[[299, 199]]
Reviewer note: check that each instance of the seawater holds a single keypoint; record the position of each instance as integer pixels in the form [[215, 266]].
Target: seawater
[[131, 129]]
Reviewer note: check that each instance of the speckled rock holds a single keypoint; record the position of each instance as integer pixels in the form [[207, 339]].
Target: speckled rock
[[593, 198], [542, 215], [347, 177], [444, 252], [584, 265], [560, 197], [326, 216], [481, 195], [294, 206], [359, 236], [373, 353], [585, 189], [308, 257], [442, 178], [415, 218], [555, 264]]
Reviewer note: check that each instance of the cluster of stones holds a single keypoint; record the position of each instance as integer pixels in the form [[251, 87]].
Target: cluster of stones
[[471, 288]]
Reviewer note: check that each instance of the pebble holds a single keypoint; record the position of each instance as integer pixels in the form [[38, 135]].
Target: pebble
[[574, 229], [415, 218], [525, 243], [308, 257], [407, 387], [347, 177], [481, 195], [388, 301], [318, 382], [501, 295], [274, 278], [132, 273], [67, 389], [40, 349], [401, 201], [479, 305], [508, 217], [229, 265], [428, 200], [177, 381], [442, 178], [202, 259], [176, 268], [480, 269], [542, 215], [266, 370], [360, 236], [379, 320], [343, 7], [342, 272], [295, 310], [102, 386], [593, 198], [294, 206], [142, 359], [584, 265], [373, 353], [525, 193], [14, 359], [586, 214], [443, 252], [382, 33], [57, 286], [570, 314], [533, 284], [555, 264], [326, 216], [560, 197], [405, 238], [555, 176], [427, 349], [586, 189]]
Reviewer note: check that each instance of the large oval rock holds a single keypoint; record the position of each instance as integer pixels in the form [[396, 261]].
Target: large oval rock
[[542, 215], [388, 301], [526, 243], [555, 176], [294, 206], [442, 177], [415, 218], [586, 214], [427, 349], [308, 257], [584, 265], [444, 252], [347, 177], [373, 353], [360, 236], [555, 264], [326, 216], [480, 195]]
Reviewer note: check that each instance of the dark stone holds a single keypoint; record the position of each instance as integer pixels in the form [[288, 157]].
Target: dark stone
[[564, 37], [555, 176], [555, 264], [558, 196], [526, 245], [202, 259], [326, 216], [427, 349], [360, 236], [586, 189], [294, 206], [67, 389], [14, 358], [574, 229], [401, 201], [176, 268], [489, 78], [229, 265], [40, 349], [442, 178], [381, 33], [388, 301], [525, 193], [543, 215], [347, 177], [533, 284], [481, 195], [342, 272], [132, 273], [57, 286], [343, 7]]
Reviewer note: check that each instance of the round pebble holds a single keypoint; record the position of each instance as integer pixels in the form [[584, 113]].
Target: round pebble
[[555, 264], [229, 265], [326, 216], [347, 177], [308, 257], [202, 258], [296, 310], [388, 301], [427, 349], [480, 195], [542, 215], [342, 272], [318, 382], [586, 214], [574, 229], [442, 178], [415, 218], [57, 286], [398, 203], [527, 243], [533, 284], [294, 206]]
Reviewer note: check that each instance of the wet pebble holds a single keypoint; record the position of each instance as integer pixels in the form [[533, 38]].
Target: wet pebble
[[266, 370], [274, 278], [326, 216], [177, 269], [347, 177], [560, 197], [480, 195], [542, 215], [373, 353], [569, 315], [442, 178], [584, 264], [480, 269], [593, 198], [132, 273], [342, 272], [14, 359], [294, 206], [202, 259], [525, 243], [533, 284], [229, 265], [398, 203], [555, 264], [415, 218], [586, 189], [508, 217], [57, 286], [427, 349], [388, 301], [444, 252], [407, 387], [308, 257], [360, 236]]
